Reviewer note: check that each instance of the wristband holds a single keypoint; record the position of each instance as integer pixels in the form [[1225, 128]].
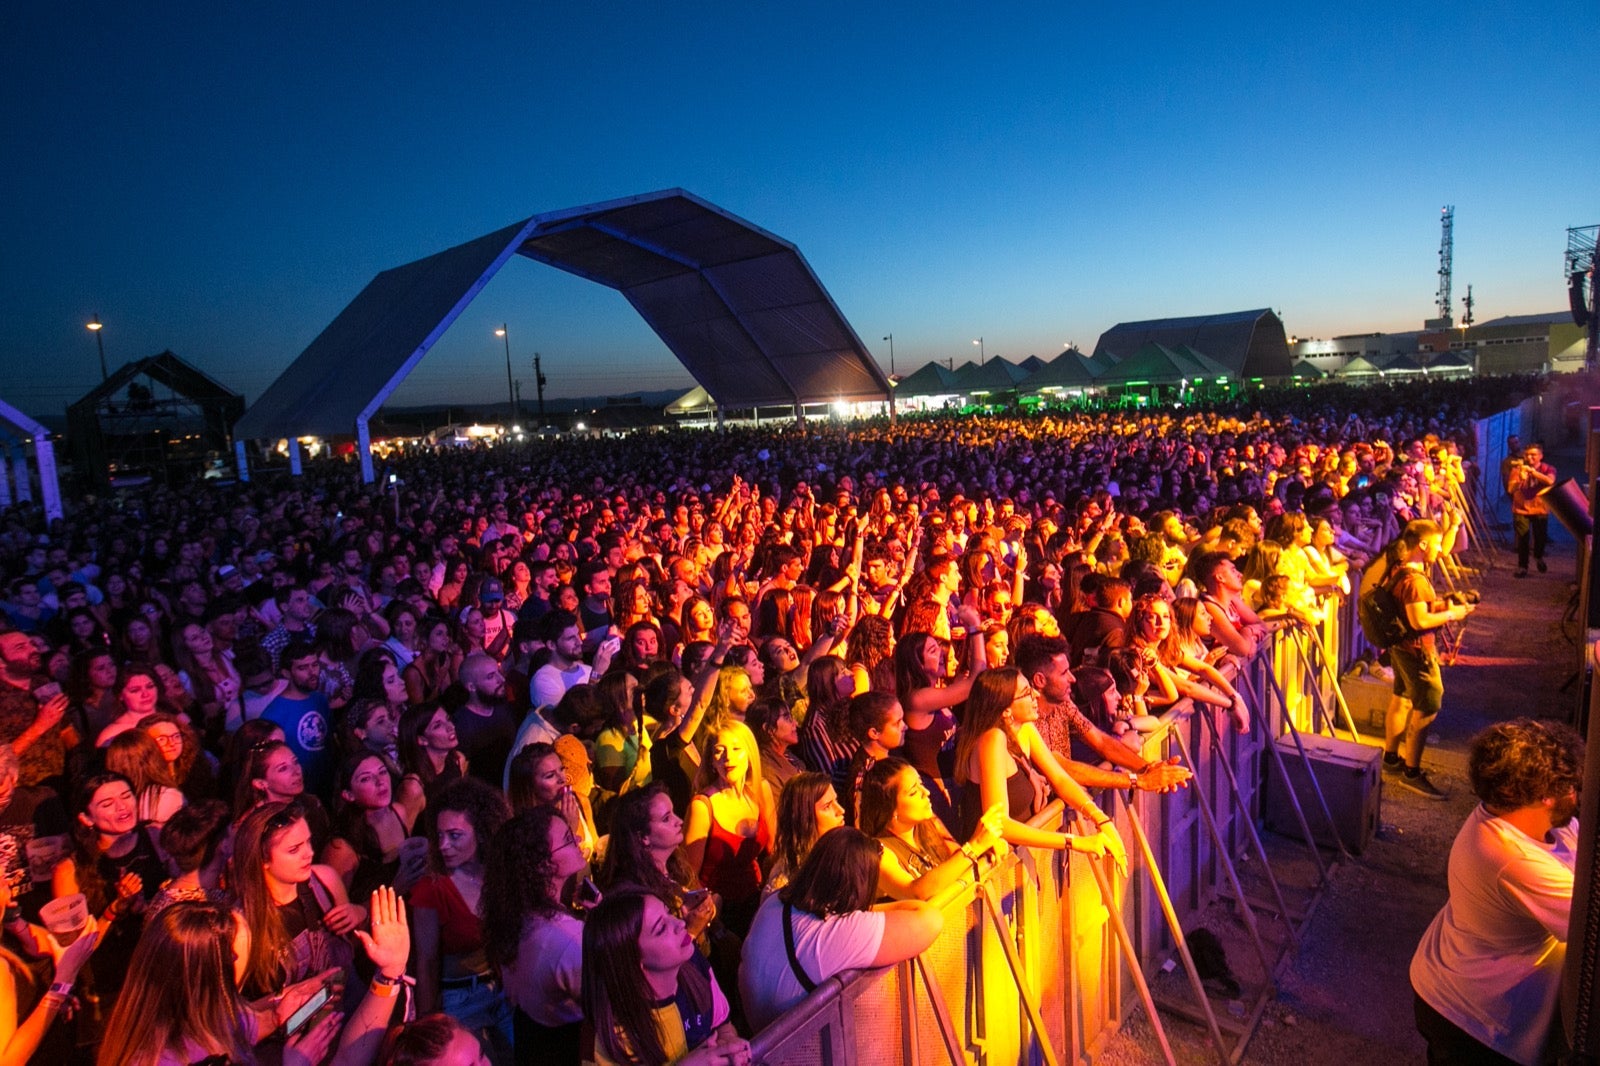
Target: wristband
[[62, 989], [1133, 782]]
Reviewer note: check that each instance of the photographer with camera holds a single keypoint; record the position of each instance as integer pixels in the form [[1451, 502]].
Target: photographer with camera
[[1418, 684], [1530, 514]]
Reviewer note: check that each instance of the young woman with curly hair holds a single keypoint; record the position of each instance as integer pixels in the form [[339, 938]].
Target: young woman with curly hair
[[530, 933], [452, 966]]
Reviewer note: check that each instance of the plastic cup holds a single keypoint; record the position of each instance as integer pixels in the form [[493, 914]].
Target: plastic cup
[[66, 918]]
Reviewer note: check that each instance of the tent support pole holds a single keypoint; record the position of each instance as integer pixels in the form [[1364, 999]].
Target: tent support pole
[[364, 450], [19, 470], [44, 454]]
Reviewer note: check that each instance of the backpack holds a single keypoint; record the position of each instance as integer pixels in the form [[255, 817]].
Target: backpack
[[1382, 615]]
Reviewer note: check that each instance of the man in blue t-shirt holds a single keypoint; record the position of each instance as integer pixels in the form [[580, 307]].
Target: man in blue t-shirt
[[302, 712]]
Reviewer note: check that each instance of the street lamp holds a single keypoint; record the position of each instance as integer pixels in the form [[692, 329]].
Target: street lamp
[[890, 339], [979, 343], [511, 392], [94, 325]]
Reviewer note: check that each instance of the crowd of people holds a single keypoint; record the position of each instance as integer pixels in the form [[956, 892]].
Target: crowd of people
[[616, 748]]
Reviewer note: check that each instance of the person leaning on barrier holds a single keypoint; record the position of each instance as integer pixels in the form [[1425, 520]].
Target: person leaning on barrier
[[824, 923], [1487, 972], [1002, 759], [1043, 662]]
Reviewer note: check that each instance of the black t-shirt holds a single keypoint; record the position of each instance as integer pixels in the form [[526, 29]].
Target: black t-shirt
[[486, 740]]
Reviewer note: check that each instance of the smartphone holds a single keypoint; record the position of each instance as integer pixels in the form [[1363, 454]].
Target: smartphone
[[299, 1018], [691, 900], [588, 892], [47, 692]]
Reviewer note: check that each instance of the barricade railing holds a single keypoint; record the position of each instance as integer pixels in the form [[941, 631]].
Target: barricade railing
[[1083, 935]]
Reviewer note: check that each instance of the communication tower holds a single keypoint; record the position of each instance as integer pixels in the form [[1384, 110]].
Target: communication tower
[[1446, 254]]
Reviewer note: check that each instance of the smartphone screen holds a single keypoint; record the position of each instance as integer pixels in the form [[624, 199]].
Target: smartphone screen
[[298, 1019]]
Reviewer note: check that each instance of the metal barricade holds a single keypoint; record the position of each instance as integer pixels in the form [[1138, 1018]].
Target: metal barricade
[[1072, 963]]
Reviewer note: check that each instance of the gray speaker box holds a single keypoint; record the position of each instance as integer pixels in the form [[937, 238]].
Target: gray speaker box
[[1351, 778]]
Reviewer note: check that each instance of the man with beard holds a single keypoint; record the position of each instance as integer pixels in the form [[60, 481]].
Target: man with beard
[[1488, 970], [30, 714]]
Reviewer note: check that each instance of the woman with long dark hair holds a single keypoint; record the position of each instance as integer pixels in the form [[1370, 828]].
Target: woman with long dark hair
[[772, 722], [1002, 760], [530, 933], [826, 914], [374, 817], [537, 777], [92, 690], [645, 851], [271, 773], [437, 662], [118, 867], [294, 914], [453, 972], [825, 739], [808, 807], [920, 857], [926, 694], [648, 994], [210, 677], [138, 694], [429, 747]]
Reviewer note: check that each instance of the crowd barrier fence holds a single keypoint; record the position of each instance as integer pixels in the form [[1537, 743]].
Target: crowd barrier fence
[[1043, 956]]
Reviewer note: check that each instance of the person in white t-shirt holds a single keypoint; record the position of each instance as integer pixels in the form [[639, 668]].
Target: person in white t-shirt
[[566, 668], [824, 923], [1487, 973]]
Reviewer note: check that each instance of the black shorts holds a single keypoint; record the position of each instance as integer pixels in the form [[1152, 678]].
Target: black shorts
[[1417, 678]]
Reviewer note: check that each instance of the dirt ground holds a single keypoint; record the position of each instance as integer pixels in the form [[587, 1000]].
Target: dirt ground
[[1344, 997]]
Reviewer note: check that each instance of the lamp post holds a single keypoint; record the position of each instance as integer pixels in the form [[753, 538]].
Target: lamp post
[[979, 343], [890, 339], [511, 390], [94, 325]]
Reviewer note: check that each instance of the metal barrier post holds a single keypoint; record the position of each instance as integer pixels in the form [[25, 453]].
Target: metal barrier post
[[1132, 957], [1302, 641], [1176, 928], [1002, 933], [1263, 723], [1209, 818], [1316, 786], [1250, 824]]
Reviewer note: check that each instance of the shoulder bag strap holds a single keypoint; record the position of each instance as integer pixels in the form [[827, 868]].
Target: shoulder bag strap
[[788, 945]]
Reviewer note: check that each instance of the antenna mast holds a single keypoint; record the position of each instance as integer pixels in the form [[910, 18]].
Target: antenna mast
[[1446, 255]]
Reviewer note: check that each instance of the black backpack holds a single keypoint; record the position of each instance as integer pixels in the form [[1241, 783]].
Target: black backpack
[[1382, 615]]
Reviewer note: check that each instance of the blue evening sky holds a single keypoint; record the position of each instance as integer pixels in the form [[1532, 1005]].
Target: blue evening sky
[[221, 179]]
